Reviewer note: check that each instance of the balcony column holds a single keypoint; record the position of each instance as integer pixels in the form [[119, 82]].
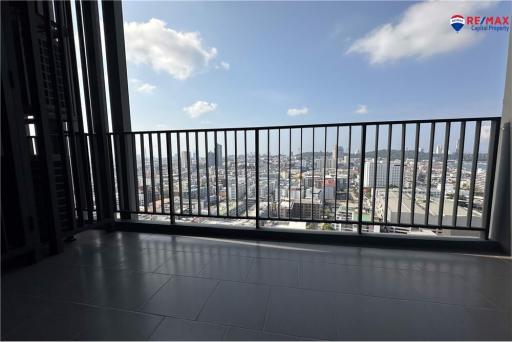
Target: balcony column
[[501, 223], [119, 103], [98, 106]]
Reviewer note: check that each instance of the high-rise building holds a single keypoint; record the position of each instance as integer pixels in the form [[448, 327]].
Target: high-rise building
[[369, 174], [337, 151], [184, 158], [218, 150]]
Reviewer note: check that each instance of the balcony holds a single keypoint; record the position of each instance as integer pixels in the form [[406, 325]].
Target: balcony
[[383, 230]]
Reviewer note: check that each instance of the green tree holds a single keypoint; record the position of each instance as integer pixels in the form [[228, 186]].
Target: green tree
[[327, 226]]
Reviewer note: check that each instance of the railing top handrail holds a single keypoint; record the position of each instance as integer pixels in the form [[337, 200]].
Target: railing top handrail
[[340, 124]]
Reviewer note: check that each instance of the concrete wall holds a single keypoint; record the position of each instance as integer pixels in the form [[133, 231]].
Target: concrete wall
[[501, 224]]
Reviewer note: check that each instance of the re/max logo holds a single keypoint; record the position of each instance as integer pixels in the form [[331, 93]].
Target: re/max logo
[[492, 20]]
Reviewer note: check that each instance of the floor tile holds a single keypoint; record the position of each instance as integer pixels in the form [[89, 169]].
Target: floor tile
[[87, 255], [186, 264], [301, 312], [275, 272], [127, 240], [374, 318], [461, 264], [146, 260], [40, 279], [185, 330], [181, 297], [131, 291], [242, 334], [373, 281], [18, 308], [227, 267], [63, 321], [446, 288], [496, 289], [238, 304], [105, 324], [109, 287], [454, 322]]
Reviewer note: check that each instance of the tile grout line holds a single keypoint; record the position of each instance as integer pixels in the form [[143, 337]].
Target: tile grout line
[[206, 301], [163, 318], [267, 309], [139, 309]]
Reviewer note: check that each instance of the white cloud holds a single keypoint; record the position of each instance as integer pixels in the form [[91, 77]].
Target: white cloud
[[423, 30], [298, 111], [180, 54], [224, 65], [142, 87], [361, 109], [199, 108]]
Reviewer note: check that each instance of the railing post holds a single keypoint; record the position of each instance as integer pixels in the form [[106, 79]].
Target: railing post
[[257, 167]]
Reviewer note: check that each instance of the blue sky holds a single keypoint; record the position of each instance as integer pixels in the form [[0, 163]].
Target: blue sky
[[254, 63]]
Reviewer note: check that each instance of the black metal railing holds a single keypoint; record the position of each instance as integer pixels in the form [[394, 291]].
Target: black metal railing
[[395, 176]]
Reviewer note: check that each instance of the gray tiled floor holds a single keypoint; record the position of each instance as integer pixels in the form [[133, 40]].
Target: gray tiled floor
[[129, 286]]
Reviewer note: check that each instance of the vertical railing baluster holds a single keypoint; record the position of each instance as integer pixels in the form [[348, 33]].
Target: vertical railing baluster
[[152, 170], [216, 172], [388, 171], [180, 190], [170, 177], [290, 176], [415, 172], [313, 177], [257, 166], [300, 179], [189, 171], [429, 172], [246, 177], [348, 170], [135, 173], [226, 170], [460, 159], [268, 173], [443, 177], [474, 164], [402, 166], [162, 202], [336, 172], [143, 160], [207, 170], [198, 177], [279, 174], [236, 172], [325, 167], [361, 180], [375, 164]]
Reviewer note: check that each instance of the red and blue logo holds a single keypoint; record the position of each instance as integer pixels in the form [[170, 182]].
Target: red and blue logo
[[457, 21], [481, 23]]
